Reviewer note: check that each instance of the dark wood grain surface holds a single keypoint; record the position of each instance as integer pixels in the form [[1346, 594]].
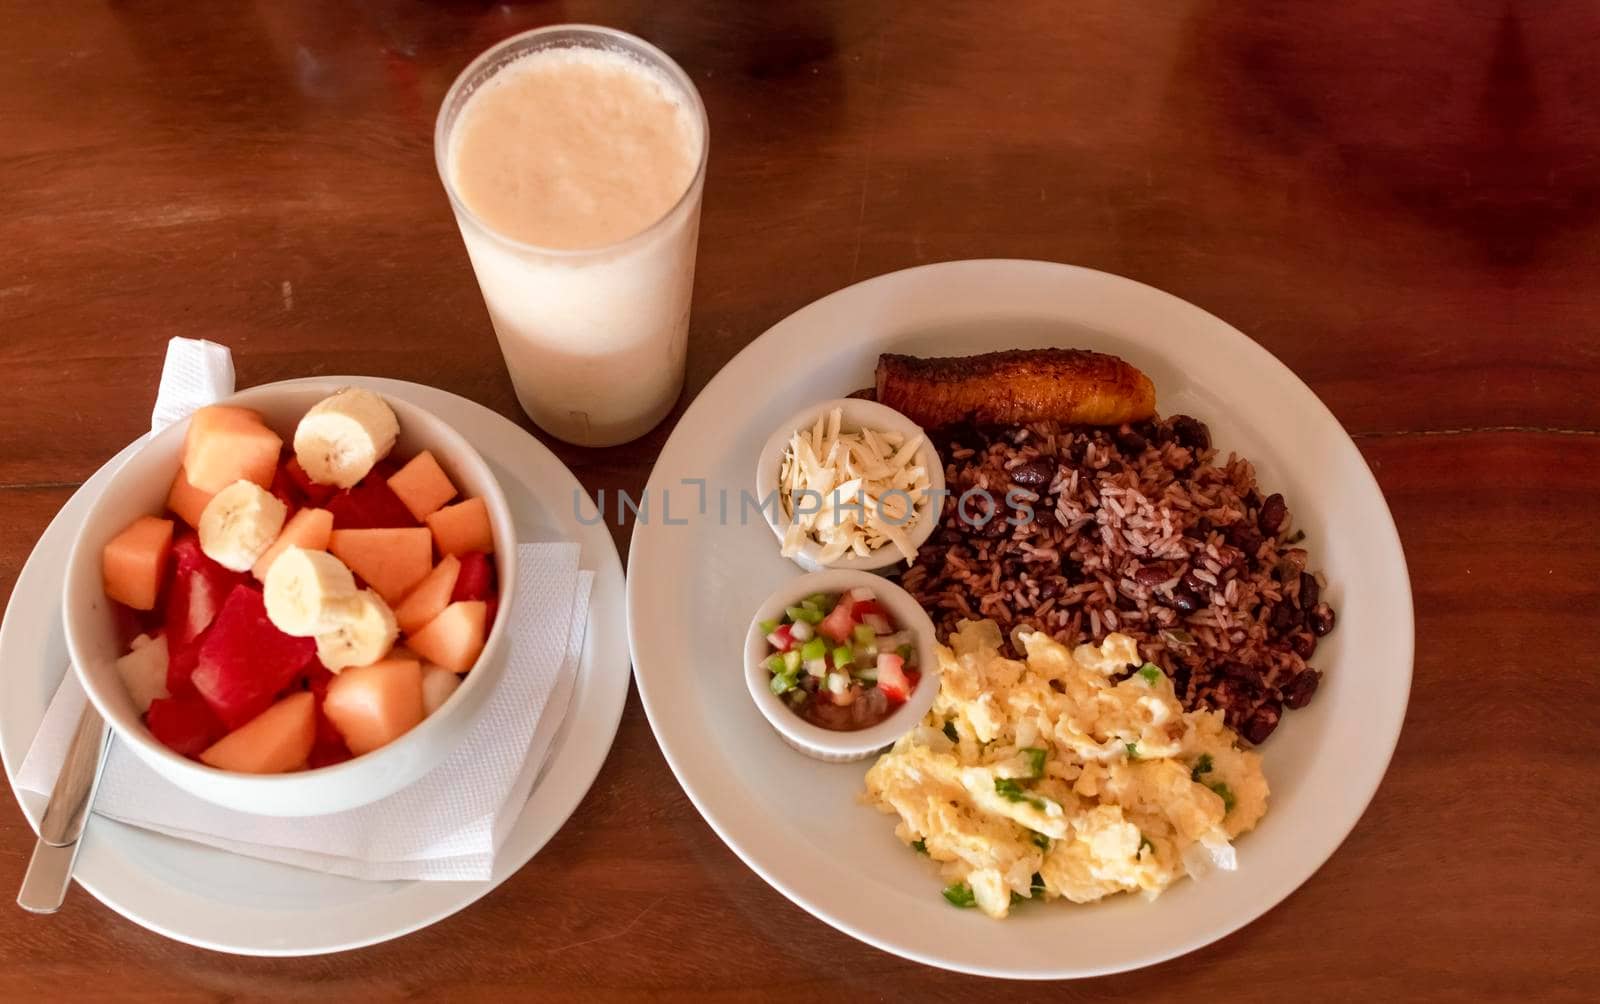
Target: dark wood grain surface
[[1399, 198]]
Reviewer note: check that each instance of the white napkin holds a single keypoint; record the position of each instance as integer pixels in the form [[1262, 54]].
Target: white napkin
[[446, 826], [195, 374]]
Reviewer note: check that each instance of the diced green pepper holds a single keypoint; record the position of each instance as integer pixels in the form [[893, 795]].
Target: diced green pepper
[[1035, 757], [775, 664], [804, 614], [1201, 766], [1227, 795], [767, 627], [791, 661], [814, 649], [868, 675], [864, 635], [843, 658], [782, 683], [1151, 673], [818, 601], [960, 895]]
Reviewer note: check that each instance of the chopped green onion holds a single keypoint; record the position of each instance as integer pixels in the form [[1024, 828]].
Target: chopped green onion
[[843, 657], [920, 846], [960, 895], [1133, 750], [1151, 673], [1226, 793], [950, 730], [1009, 790], [775, 664], [767, 627], [1039, 840], [1035, 757], [814, 649], [804, 614], [781, 683], [1201, 766]]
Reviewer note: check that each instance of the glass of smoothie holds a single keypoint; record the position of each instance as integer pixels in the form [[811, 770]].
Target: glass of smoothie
[[574, 157]]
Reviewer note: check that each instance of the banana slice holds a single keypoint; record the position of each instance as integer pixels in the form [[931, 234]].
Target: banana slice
[[364, 635], [309, 592], [239, 524], [343, 435]]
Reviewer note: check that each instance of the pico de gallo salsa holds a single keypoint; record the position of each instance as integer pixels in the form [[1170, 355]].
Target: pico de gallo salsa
[[839, 662]]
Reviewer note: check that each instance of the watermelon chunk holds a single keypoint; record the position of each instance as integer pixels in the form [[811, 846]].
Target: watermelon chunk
[[370, 505], [245, 662], [307, 489], [476, 579], [184, 724], [195, 593]]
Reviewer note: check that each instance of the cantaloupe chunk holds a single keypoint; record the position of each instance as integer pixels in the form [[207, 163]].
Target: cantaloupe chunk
[[307, 528], [277, 740], [390, 561], [374, 705], [453, 639], [462, 527], [422, 485], [226, 444], [428, 597], [186, 500], [134, 562]]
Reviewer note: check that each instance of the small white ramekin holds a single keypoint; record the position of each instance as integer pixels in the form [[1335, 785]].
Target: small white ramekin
[[857, 414], [813, 740]]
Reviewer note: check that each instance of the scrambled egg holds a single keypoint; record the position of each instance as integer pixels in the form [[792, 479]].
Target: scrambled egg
[[1044, 778]]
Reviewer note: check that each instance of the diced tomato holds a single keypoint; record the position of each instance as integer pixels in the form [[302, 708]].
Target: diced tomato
[[839, 623], [782, 638], [860, 609], [184, 725], [892, 679], [475, 581]]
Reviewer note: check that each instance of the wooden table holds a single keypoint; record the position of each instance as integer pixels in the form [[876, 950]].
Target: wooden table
[[1398, 199]]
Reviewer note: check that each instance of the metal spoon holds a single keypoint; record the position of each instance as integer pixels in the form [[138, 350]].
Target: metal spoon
[[61, 830]]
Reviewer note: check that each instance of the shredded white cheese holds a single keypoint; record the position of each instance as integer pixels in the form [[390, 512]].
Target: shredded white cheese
[[851, 491]]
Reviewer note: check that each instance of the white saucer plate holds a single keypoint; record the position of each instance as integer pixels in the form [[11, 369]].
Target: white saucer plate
[[695, 579], [221, 901]]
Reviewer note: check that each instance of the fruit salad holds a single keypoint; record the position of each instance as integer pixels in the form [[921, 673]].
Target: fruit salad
[[300, 604], [839, 661]]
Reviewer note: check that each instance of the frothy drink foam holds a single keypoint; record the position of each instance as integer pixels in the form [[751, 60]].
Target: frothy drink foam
[[581, 156]]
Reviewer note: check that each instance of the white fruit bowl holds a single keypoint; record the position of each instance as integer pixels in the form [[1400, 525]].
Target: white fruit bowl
[[140, 487]]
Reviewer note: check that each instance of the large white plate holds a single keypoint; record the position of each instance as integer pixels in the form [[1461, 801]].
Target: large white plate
[[694, 582], [221, 901]]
